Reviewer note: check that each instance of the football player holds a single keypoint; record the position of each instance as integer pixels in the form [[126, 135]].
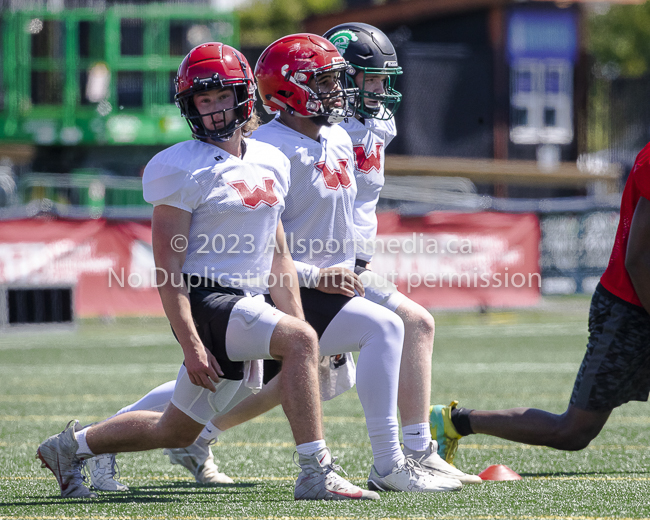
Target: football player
[[616, 365], [373, 68], [204, 190], [299, 78]]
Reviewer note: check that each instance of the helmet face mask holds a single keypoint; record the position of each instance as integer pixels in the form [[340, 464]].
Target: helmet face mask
[[218, 131], [329, 99], [214, 66], [300, 74], [387, 102], [368, 51]]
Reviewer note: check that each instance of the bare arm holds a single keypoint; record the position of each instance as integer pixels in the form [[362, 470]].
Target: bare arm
[[168, 223], [285, 291], [637, 258]]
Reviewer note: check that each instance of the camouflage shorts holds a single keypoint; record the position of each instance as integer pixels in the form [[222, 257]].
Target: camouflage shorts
[[616, 366]]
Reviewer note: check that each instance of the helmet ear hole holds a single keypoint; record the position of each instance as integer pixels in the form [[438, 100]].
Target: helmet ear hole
[[191, 107], [244, 108], [192, 114]]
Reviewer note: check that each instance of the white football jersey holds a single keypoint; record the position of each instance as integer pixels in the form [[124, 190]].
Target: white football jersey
[[369, 142], [319, 209], [235, 203]]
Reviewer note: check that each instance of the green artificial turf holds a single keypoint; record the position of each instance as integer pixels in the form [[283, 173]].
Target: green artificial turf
[[492, 360]]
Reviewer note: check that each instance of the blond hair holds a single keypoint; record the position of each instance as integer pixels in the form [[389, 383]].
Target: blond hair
[[252, 124]]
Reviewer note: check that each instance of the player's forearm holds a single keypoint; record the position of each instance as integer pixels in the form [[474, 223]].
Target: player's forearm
[[285, 291], [176, 303], [168, 224], [288, 301], [639, 270], [637, 256]]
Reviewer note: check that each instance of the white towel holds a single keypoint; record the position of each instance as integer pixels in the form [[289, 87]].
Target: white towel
[[337, 375], [254, 375]]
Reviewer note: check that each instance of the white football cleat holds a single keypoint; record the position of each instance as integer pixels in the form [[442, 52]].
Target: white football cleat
[[319, 480], [411, 477], [199, 460], [59, 455], [434, 464], [102, 470]]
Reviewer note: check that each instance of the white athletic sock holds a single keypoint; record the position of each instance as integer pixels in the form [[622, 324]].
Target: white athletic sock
[[209, 433], [83, 451], [309, 448], [416, 437]]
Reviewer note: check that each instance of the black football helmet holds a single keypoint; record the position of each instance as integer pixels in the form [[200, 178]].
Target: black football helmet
[[368, 51]]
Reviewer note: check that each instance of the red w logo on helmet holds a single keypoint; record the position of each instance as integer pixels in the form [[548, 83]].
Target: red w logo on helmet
[[258, 195], [367, 163], [336, 177]]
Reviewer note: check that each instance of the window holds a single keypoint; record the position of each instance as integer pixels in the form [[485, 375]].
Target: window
[[129, 89], [131, 37], [47, 87], [524, 81], [549, 116], [541, 101], [47, 61], [552, 81], [520, 116]]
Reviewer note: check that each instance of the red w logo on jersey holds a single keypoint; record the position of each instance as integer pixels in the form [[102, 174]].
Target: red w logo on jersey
[[335, 178], [258, 195], [367, 163]]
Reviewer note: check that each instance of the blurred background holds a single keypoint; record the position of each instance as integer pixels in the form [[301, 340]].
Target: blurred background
[[519, 124]]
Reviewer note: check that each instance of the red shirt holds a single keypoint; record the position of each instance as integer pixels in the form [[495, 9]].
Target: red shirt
[[616, 278]]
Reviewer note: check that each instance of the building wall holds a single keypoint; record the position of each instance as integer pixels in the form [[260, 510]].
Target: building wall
[[447, 109]]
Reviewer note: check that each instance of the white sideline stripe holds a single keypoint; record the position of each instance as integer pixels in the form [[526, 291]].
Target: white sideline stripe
[[598, 479], [93, 398], [65, 418], [472, 368], [515, 446], [140, 340], [521, 330], [50, 418], [501, 367], [90, 398], [463, 446], [326, 418], [60, 370], [517, 330], [481, 447]]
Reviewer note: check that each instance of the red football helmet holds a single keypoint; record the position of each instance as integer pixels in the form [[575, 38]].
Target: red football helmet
[[215, 66], [285, 68]]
